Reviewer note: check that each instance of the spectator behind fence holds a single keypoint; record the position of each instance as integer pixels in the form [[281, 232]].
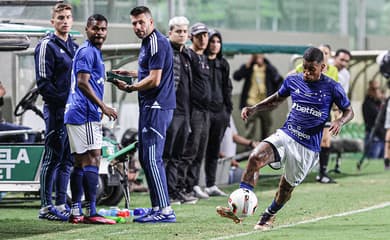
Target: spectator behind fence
[[261, 79], [372, 104]]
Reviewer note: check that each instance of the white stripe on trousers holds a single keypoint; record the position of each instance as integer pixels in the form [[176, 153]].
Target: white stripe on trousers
[[157, 177]]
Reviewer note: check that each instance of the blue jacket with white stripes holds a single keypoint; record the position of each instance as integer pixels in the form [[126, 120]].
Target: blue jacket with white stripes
[[53, 67]]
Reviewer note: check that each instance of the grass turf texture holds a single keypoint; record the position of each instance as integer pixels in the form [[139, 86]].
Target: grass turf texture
[[355, 190]]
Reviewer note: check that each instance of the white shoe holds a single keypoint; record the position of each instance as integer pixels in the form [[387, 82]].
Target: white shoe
[[214, 191], [199, 193]]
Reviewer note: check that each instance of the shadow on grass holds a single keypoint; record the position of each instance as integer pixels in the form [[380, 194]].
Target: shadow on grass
[[20, 228]]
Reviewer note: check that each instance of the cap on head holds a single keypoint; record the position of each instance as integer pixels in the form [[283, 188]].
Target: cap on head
[[198, 28]]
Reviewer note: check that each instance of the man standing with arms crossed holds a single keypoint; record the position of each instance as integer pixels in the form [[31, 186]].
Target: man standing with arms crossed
[[157, 101], [53, 65], [84, 110]]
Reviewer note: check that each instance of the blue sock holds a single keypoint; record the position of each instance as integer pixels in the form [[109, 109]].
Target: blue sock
[[76, 186], [90, 182], [246, 186], [274, 207]]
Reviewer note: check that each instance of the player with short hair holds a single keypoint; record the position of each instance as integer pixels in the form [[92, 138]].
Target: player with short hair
[[157, 101], [297, 144], [179, 129], [53, 64], [341, 62], [83, 114]]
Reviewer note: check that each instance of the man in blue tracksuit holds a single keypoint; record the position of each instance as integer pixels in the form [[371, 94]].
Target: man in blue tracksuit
[[53, 65], [157, 101]]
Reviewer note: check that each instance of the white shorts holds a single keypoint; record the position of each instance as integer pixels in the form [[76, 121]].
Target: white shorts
[[296, 159], [85, 137]]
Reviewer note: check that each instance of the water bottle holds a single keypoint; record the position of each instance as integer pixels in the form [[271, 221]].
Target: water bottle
[[125, 213], [140, 211], [113, 211], [103, 212]]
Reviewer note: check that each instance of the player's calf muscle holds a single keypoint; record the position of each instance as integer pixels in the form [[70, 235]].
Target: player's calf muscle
[[284, 192]]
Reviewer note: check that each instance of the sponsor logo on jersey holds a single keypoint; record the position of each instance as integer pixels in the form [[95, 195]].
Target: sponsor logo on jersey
[[298, 133], [309, 110]]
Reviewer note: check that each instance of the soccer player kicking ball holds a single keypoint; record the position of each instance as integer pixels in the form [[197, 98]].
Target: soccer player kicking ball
[[297, 144], [83, 121]]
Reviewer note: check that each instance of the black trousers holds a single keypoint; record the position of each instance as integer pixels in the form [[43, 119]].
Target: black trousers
[[218, 124], [195, 149], [176, 139]]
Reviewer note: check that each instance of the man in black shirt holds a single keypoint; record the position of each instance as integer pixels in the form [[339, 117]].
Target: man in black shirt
[[195, 149], [220, 108], [179, 128]]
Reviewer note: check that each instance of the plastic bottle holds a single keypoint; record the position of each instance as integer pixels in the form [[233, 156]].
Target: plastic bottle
[[103, 212], [140, 211], [113, 211], [124, 213]]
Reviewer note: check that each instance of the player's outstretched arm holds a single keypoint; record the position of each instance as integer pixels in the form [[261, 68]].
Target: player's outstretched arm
[[131, 73], [335, 126], [269, 103]]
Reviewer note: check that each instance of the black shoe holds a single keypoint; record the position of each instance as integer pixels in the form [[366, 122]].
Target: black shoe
[[324, 178], [187, 198], [266, 221], [387, 164]]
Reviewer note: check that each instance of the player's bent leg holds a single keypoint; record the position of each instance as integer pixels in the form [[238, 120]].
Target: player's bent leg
[[283, 194], [262, 155], [284, 191]]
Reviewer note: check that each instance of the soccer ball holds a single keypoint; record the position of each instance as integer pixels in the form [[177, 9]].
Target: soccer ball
[[242, 202]]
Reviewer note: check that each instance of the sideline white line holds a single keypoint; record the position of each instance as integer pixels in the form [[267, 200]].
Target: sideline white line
[[382, 205]]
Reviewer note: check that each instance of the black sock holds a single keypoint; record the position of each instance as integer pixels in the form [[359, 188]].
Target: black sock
[[387, 162], [324, 159], [274, 207]]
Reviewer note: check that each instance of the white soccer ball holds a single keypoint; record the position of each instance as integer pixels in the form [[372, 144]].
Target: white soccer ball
[[243, 202]]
